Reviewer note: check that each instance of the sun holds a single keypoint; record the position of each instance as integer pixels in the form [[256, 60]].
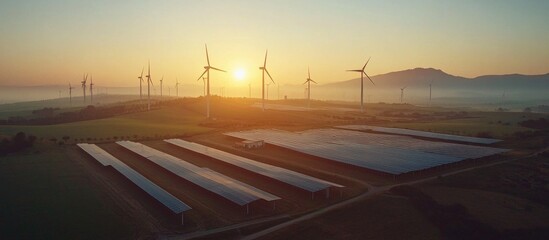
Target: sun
[[239, 74]]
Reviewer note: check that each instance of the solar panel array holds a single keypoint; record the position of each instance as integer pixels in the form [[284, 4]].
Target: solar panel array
[[392, 154], [417, 133], [231, 189], [296, 179], [161, 195]]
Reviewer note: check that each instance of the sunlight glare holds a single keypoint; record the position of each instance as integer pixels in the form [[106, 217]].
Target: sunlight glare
[[239, 74]]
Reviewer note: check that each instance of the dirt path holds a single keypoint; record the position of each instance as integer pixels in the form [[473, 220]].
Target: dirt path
[[223, 229], [373, 192]]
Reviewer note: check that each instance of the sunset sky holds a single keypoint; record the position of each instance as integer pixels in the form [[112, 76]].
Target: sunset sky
[[55, 42]]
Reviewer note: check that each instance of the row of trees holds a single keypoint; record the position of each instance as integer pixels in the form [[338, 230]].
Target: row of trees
[[16, 143]]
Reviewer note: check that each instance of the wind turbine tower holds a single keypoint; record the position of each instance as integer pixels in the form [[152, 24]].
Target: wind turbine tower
[[263, 71], [268, 84], [70, 93], [176, 87], [149, 83], [430, 93], [162, 79], [91, 89], [402, 94], [207, 72], [84, 80], [141, 83], [362, 73], [308, 82]]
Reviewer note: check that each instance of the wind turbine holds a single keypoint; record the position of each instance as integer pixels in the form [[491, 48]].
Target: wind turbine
[[176, 87], [207, 72], [362, 73], [85, 79], [263, 71], [91, 89], [149, 83], [162, 79], [430, 92], [70, 93], [402, 94], [141, 83], [308, 82]]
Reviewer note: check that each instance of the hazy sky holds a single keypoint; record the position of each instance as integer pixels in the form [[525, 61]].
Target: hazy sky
[[54, 42]]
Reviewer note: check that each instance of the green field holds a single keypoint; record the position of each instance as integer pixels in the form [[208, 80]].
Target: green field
[[498, 124], [45, 195], [166, 121]]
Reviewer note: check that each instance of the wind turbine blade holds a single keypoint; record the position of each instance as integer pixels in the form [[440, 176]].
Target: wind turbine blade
[[202, 75], [207, 57], [306, 81], [313, 81], [218, 69], [309, 72], [366, 64], [269, 75], [369, 78], [142, 70], [149, 70], [265, 62], [358, 70]]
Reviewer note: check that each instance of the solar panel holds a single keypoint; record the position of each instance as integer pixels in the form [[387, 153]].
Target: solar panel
[[422, 134], [296, 179], [231, 189], [393, 154], [161, 195]]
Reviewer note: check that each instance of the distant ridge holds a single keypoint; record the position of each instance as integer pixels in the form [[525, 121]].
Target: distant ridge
[[424, 76]]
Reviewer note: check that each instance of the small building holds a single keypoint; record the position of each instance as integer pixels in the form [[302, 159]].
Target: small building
[[250, 144]]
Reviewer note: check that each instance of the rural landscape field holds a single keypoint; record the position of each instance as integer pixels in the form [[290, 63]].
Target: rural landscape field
[[274, 120]]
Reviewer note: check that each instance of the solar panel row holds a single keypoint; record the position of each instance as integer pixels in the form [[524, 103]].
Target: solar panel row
[[231, 189], [173, 203], [386, 153], [421, 134], [296, 179]]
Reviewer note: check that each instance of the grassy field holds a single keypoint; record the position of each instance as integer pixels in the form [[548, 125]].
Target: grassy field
[[23, 109], [45, 195], [165, 121], [511, 197], [383, 217], [498, 124]]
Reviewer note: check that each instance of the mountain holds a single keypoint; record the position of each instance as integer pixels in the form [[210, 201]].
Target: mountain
[[422, 77]]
